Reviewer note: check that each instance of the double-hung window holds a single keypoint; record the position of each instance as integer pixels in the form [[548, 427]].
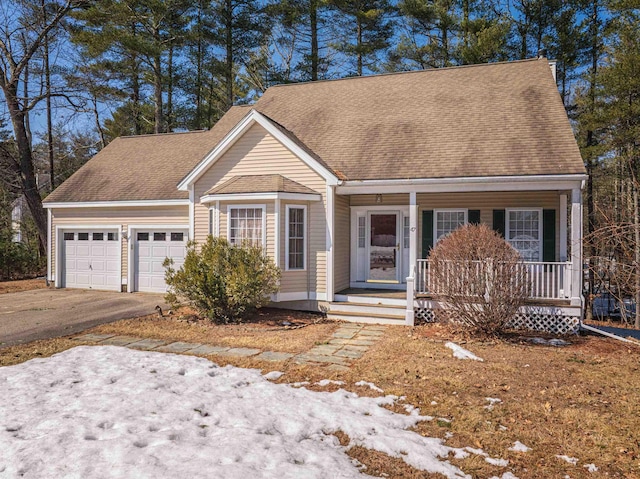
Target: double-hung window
[[246, 224], [447, 221], [524, 232], [296, 244]]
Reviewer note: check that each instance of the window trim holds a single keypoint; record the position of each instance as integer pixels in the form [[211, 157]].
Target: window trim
[[507, 232], [447, 210], [263, 207], [304, 238]]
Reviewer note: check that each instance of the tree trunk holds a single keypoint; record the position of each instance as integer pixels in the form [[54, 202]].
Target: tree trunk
[[636, 246], [229, 53], [170, 125], [27, 172], [313, 21], [199, 53], [359, 44], [157, 87], [47, 81]]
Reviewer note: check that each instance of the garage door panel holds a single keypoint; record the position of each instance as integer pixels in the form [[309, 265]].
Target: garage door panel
[[150, 256], [91, 262]]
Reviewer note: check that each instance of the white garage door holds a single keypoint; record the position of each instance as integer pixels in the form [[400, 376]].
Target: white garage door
[[91, 259], [152, 247]]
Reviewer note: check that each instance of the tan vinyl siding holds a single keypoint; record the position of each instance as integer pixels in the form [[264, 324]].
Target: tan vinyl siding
[[257, 152], [165, 215], [486, 202], [342, 243]]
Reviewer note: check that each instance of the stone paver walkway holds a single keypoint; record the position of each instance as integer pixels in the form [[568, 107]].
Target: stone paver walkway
[[348, 343]]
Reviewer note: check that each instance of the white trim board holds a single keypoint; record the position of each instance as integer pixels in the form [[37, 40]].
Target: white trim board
[[49, 246], [261, 196], [305, 239], [237, 131], [131, 229], [116, 204], [463, 184]]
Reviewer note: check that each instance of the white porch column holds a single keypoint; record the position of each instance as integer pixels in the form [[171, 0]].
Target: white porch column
[[576, 247], [331, 195], [413, 229], [413, 257], [276, 236], [564, 225]]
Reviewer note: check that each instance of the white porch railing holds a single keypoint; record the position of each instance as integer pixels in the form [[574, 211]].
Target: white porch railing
[[547, 280]]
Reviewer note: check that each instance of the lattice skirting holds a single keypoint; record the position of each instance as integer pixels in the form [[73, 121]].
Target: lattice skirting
[[551, 320]]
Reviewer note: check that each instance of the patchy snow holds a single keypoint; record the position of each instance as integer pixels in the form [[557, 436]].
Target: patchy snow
[[299, 384], [519, 447], [502, 427], [369, 385], [492, 402], [96, 410], [434, 403], [461, 353], [497, 461], [591, 467], [273, 375], [570, 460], [326, 382]]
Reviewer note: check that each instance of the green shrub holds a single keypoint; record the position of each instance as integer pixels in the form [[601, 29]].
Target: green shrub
[[223, 282]]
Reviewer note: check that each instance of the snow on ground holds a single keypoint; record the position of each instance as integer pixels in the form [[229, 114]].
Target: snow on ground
[[492, 402], [591, 467], [369, 385], [461, 353], [519, 447], [105, 411], [326, 382], [570, 460]]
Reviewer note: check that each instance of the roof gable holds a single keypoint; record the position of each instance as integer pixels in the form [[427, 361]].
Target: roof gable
[[289, 141]]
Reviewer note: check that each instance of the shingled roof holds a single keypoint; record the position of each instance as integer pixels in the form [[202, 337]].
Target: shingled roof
[[259, 184], [498, 119], [146, 167]]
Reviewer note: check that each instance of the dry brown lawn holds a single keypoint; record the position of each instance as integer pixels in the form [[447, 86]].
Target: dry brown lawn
[[265, 330], [22, 285], [582, 400]]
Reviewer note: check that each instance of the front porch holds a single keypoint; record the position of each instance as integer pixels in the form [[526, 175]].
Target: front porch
[[383, 264]]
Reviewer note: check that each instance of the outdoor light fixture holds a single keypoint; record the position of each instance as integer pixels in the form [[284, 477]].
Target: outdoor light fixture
[[378, 198]]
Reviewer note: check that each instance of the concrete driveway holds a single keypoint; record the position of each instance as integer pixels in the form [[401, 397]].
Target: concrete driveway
[[48, 313]]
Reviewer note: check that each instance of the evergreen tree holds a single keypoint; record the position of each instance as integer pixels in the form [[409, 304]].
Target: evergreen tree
[[365, 29]]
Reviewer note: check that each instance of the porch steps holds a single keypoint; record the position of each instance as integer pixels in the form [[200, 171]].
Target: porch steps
[[367, 312]]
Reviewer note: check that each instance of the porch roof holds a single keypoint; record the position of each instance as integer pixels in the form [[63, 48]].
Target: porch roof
[[259, 184]]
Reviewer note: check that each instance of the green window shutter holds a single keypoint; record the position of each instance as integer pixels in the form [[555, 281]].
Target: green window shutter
[[474, 217], [499, 220], [549, 235], [427, 232]]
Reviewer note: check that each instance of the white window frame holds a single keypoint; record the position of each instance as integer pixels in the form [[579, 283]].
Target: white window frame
[[447, 210], [263, 207], [304, 239], [507, 232]]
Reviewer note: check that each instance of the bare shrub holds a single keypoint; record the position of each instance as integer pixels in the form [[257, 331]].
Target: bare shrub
[[479, 279]]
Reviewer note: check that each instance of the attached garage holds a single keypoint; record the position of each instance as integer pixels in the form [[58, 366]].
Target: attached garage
[[90, 258], [150, 247]]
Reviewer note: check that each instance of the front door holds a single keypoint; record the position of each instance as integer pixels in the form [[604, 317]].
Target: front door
[[384, 248]]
